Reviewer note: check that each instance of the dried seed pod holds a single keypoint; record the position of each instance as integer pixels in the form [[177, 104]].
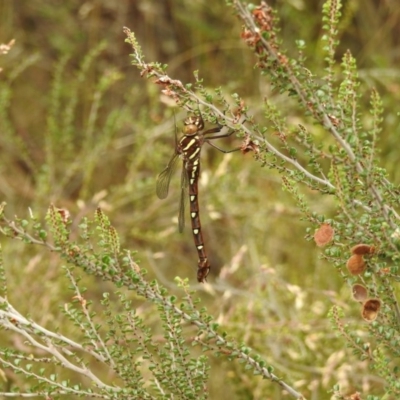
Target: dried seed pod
[[362, 249], [355, 396], [356, 264], [360, 292], [323, 235], [371, 309], [384, 271]]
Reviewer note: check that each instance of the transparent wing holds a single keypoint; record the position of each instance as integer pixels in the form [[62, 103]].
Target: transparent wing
[[164, 178], [183, 199]]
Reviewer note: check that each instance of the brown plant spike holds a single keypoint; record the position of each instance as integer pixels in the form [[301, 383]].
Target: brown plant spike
[[249, 145], [356, 264], [370, 309], [64, 213], [323, 235]]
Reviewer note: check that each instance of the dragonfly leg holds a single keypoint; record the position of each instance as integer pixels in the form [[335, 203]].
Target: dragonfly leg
[[223, 150], [223, 135], [216, 129]]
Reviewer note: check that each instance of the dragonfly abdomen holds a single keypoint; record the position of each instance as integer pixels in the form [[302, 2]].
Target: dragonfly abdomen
[[190, 149]]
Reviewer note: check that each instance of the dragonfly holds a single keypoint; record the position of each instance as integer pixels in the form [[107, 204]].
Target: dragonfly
[[188, 149]]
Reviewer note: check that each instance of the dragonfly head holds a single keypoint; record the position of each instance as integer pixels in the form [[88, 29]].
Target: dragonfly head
[[193, 125]]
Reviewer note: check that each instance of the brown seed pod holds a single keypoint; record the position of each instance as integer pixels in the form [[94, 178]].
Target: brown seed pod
[[360, 292], [323, 235], [370, 309], [356, 264], [362, 249]]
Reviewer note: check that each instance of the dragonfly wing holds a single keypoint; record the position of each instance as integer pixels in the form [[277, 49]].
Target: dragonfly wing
[[183, 199], [164, 178]]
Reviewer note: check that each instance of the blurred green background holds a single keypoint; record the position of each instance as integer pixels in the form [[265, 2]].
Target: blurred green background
[[81, 128]]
